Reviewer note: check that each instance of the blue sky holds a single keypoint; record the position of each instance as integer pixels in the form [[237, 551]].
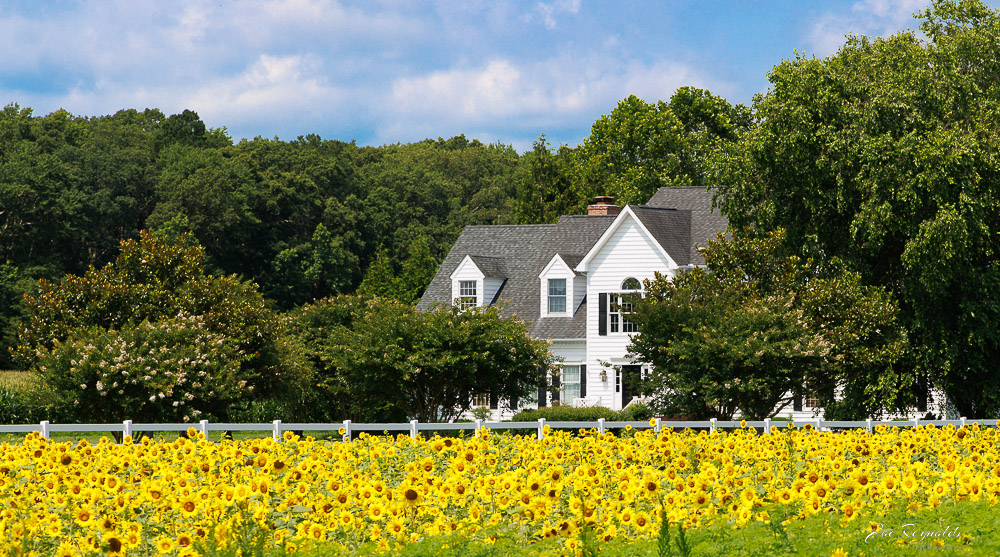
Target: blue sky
[[387, 72]]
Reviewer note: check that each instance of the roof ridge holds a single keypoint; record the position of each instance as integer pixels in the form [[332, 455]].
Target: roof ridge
[[505, 225], [658, 208]]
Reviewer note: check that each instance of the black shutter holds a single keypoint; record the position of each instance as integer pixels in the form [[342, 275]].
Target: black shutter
[[494, 401], [602, 314], [541, 392], [797, 403], [513, 403], [555, 388], [583, 381]]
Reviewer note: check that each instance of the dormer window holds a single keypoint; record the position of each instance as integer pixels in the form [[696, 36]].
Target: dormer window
[[560, 288], [467, 297], [557, 295]]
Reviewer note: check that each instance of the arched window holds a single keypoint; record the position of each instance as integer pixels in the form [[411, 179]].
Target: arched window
[[618, 316], [631, 284]]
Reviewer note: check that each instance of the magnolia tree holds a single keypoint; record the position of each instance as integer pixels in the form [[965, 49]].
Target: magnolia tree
[[754, 328]]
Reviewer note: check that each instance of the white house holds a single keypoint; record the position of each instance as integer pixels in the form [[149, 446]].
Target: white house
[[565, 279]]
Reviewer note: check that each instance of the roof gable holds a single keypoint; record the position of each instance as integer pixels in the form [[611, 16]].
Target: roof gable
[[466, 263], [557, 263], [628, 213]]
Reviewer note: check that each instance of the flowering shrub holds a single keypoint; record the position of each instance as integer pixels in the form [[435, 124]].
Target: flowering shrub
[[88, 329], [170, 370]]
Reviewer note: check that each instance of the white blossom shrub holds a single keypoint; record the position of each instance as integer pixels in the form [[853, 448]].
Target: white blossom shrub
[[170, 370]]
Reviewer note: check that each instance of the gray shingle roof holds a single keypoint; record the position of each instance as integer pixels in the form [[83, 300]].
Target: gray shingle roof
[[670, 227], [706, 222], [522, 251], [517, 246], [492, 267], [678, 218]]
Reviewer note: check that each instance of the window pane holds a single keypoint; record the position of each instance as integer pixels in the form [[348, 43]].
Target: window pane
[[557, 304], [629, 327], [557, 287], [631, 284], [571, 383], [467, 288]]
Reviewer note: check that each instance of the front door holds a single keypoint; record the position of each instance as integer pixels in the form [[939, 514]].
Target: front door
[[631, 375]]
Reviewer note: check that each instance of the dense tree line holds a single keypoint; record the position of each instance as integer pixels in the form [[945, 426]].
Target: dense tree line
[[303, 219]]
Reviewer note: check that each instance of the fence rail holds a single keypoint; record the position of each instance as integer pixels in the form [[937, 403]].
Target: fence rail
[[347, 428]]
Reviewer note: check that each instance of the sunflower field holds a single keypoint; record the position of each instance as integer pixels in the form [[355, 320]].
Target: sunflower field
[[567, 492]]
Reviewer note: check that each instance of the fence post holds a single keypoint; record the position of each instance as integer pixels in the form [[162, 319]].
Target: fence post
[[413, 429], [963, 421], [713, 424], [916, 422], [541, 428], [818, 421], [126, 429], [868, 421], [347, 431], [767, 426], [479, 424], [600, 425], [204, 428], [44, 428], [277, 430], [658, 426]]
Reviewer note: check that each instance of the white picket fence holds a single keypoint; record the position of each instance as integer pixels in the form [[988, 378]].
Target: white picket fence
[[414, 428]]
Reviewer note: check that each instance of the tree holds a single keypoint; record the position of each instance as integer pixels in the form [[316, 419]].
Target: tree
[[883, 156], [156, 287], [417, 271], [753, 329], [313, 270], [378, 359], [641, 147], [547, 189]]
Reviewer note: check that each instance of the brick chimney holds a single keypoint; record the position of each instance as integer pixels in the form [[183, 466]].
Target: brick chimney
[[603, 205]]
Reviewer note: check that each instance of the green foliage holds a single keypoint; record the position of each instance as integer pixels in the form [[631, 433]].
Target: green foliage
[[172, 370], [640, 147], [16, 406], [753, 326], [883, 156], [566, 414], [634, 413], [379, 360], [417, 271], [154, 312], [548, 188]]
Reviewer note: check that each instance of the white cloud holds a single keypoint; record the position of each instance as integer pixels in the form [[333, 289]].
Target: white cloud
[[273, 86], [548, 12], [528, 97], [867, 17]]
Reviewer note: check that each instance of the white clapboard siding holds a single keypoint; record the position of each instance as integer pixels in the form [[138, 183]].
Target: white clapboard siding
[[629, 252]]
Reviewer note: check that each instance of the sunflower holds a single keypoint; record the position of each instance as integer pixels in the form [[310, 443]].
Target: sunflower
[[164, 545], [83, 516]]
